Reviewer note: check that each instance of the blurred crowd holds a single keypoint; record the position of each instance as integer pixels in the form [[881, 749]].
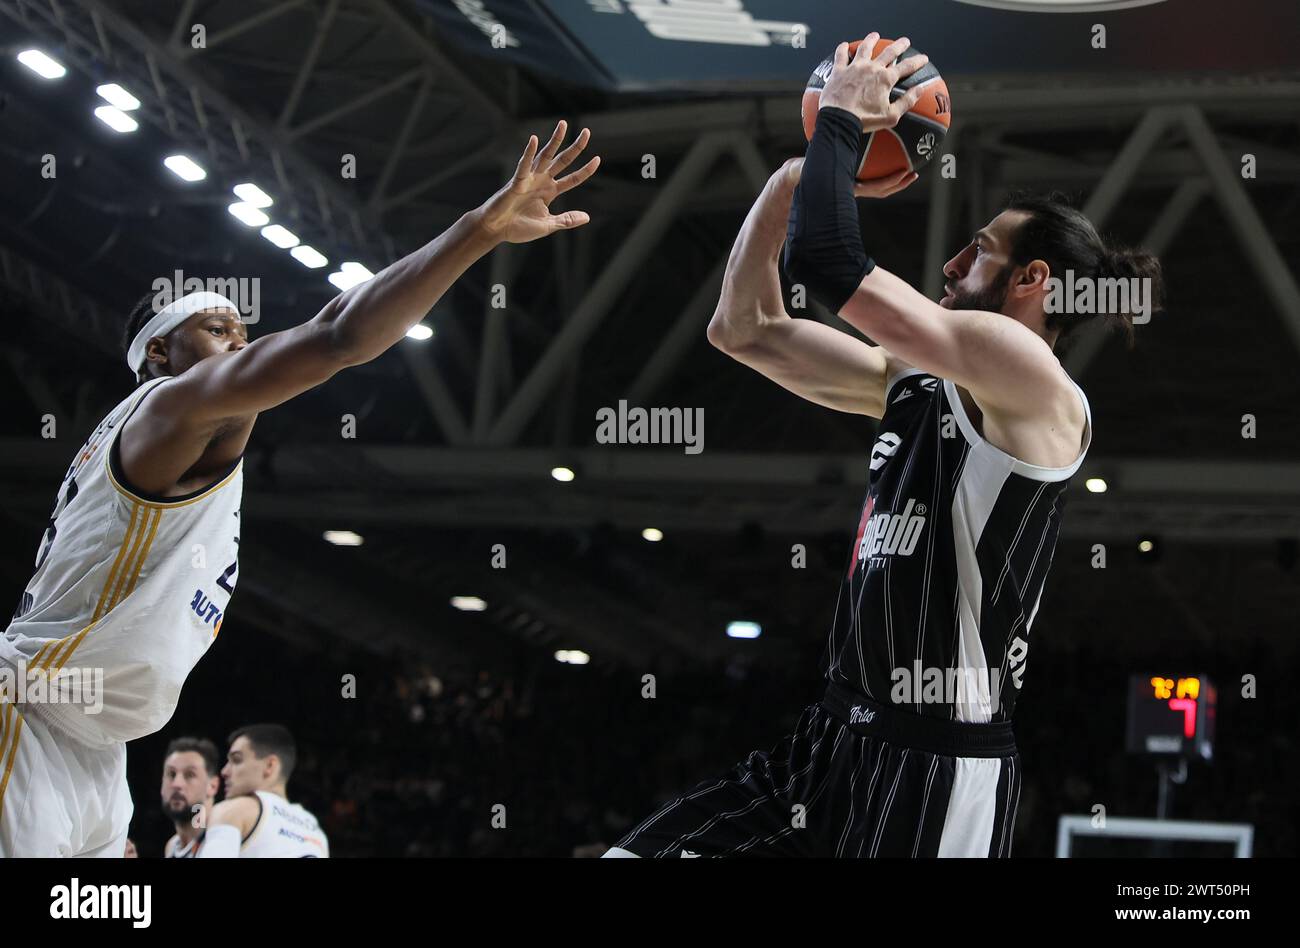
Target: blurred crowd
[[548, 759]]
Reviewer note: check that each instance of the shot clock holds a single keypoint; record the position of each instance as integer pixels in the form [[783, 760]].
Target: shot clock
[[1171, 716]]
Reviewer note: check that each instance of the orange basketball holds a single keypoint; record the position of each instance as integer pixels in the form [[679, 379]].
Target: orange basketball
[[914, 140]]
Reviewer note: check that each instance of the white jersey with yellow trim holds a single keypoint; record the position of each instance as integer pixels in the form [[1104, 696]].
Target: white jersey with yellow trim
[[128, 586], [284, 831]]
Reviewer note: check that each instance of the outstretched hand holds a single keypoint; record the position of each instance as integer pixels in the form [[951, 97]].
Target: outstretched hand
[[520, 211]]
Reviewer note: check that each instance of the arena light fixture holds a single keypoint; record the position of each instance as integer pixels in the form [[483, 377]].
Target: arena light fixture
[[247, 214], [1095, 485], [116, 119], [118, 97], [250, 193], [185, 168], [572, 656], [420, 332], [744, 630], [343, 538], [563, 474], [44, 66], [1149, 549], [281, 236], [468, 603], [308, 256], [350, 274], [652, 534]]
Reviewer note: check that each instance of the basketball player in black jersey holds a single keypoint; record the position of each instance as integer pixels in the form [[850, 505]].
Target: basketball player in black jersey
[[910, 751]]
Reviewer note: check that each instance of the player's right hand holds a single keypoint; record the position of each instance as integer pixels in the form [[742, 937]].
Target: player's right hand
[[519, 212], [862, 86]]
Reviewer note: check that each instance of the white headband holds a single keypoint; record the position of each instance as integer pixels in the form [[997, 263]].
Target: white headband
[[168, 318]]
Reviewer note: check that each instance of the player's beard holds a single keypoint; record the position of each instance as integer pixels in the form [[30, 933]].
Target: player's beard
[[178, 817], [990, 299]]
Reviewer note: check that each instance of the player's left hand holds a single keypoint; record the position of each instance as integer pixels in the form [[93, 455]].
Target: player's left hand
[[884, 187], [520, 211], [787, 176]]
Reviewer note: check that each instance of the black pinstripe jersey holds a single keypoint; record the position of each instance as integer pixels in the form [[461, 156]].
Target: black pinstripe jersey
[[947, 568]]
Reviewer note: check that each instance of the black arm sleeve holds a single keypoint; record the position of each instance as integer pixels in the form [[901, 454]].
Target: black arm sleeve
[[823, 245]]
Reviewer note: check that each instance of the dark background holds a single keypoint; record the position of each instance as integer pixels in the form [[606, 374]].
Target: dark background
[[574, 752]]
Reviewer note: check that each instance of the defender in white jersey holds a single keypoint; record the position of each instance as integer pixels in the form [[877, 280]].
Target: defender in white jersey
[[116, 612], [190, 782], [140, 558], [256, 820]]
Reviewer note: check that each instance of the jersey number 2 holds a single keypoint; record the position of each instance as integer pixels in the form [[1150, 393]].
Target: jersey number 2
[[47, 543], [225, 580]]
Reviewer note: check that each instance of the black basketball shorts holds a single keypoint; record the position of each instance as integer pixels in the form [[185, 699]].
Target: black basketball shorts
[[855, 779]]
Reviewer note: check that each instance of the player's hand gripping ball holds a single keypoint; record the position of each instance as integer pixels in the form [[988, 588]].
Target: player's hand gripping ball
[[915, 139]]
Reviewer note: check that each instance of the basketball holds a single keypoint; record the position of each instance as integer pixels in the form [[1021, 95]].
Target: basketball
[[914, 140]]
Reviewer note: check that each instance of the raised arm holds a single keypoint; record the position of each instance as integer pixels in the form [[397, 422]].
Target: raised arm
[[354, 327], [228, 823], [174, 426], [814, 361], [1006, 366], [365, 321]]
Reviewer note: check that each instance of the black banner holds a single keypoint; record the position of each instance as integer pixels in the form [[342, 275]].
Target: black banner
[[712, 45]]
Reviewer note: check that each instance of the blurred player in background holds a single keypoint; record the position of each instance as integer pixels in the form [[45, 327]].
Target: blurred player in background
[[190, 782], [256, 819]]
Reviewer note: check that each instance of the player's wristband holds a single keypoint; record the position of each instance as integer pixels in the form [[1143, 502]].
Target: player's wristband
[[823, 247], [220, 842]]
